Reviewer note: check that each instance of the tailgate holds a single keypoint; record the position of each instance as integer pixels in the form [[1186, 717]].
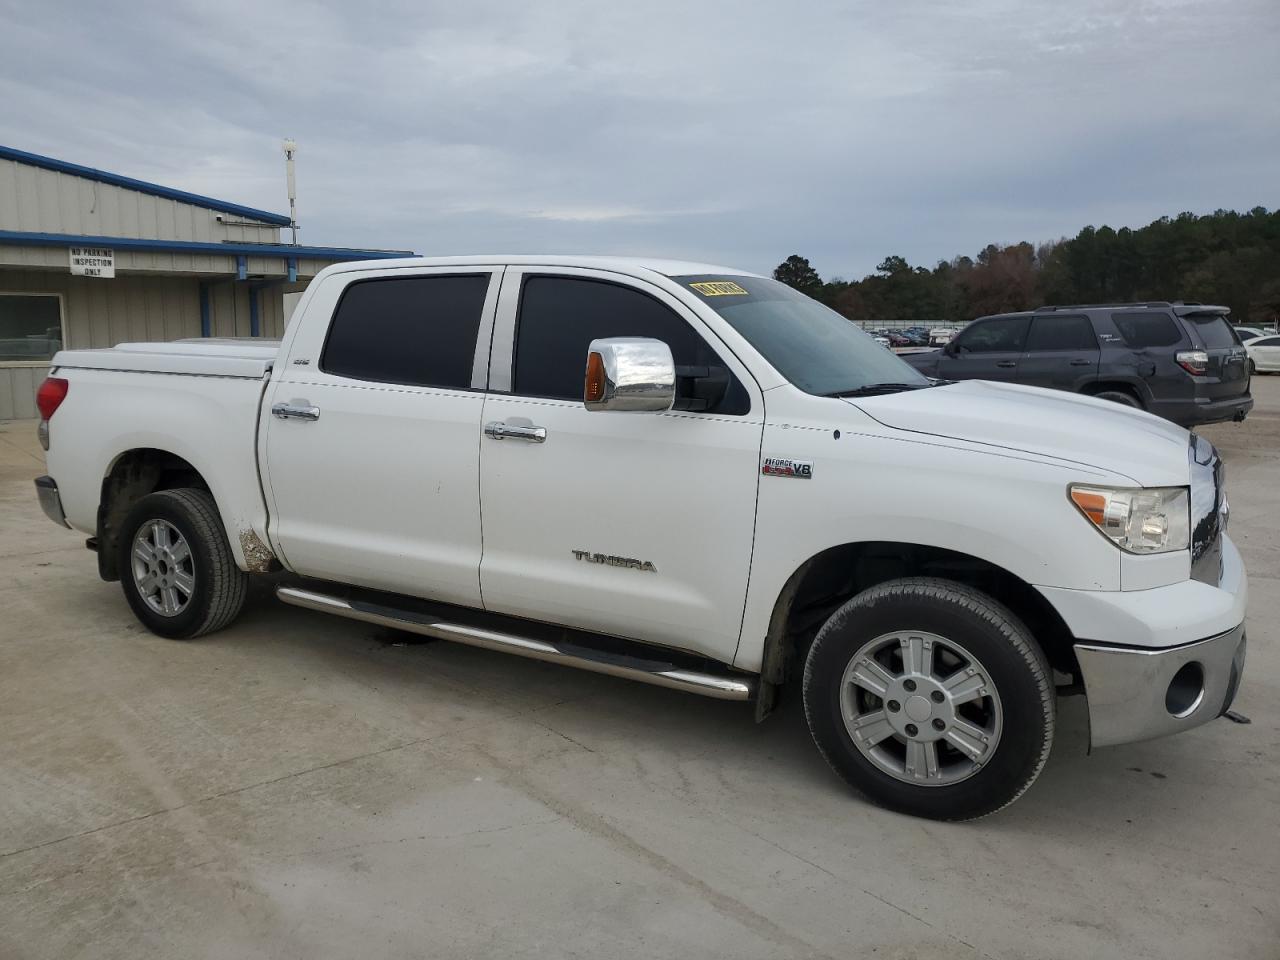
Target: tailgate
[[1227, 374]]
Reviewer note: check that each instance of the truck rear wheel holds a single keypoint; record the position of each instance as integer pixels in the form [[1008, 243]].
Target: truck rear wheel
[[930, 698], [176, 566]]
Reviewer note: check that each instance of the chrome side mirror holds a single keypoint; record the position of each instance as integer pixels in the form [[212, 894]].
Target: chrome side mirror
[[629, 374]]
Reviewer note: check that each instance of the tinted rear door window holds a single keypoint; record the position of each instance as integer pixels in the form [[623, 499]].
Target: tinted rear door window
[[1052, 332], [418, 331], [1004, 335], [560, 316], [1141, 330]]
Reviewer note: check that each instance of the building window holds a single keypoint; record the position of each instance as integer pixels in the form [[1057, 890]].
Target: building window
[[30, 326]]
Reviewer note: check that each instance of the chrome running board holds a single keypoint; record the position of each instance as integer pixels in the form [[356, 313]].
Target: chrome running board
[[571, 655]]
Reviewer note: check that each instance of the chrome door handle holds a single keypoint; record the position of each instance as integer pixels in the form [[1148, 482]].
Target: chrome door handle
[[297, 410], [514, 431], [1006, 363]]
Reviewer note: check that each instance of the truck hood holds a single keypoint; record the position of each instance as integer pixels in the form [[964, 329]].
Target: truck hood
[[1059, 426]]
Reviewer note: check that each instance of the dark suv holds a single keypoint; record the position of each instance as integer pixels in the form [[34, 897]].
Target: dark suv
[[1181, 361]]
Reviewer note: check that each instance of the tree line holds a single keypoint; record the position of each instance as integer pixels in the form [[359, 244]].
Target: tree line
[[1222, 258]]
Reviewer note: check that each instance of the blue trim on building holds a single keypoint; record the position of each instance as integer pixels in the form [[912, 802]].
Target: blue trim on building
[[206, 314], [254, 326], [142, 186], [242, 267], [196, 246], [255, 306], [292, 264]]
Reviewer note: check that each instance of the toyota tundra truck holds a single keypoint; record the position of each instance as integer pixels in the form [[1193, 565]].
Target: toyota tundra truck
[[681, 474]]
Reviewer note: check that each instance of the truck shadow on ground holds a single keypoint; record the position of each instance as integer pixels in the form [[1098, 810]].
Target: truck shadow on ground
[[418, 679]]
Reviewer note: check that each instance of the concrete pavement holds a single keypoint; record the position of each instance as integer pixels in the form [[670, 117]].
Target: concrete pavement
[[302, 786]]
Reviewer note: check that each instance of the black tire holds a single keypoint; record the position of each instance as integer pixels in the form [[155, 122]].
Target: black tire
[[1120, 397], [1012, 659], [1253, 367], [220, 586]]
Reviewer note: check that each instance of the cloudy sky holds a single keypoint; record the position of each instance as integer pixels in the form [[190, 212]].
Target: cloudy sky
[[736, 132]]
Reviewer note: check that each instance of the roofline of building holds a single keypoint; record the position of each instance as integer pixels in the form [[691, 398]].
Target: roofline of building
[[142, 186], [25, 238]]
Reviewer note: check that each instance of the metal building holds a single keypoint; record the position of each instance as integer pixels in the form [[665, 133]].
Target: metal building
[[92, 259]]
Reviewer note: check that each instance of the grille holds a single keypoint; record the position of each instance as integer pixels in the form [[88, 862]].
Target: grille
[[1206, 511]]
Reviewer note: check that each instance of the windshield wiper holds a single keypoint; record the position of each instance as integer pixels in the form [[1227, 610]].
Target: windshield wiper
[[876, 389]]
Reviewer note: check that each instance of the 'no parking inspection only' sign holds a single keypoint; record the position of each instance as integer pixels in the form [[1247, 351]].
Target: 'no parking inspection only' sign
[[93, 262]]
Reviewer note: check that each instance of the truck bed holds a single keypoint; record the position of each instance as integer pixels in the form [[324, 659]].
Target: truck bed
[[197, 400], [209, 357]]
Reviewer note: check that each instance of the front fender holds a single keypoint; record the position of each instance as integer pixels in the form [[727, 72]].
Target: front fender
[[1007, 509]]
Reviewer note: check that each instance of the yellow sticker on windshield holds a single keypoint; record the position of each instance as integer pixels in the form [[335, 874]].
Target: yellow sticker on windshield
[[720, 288]]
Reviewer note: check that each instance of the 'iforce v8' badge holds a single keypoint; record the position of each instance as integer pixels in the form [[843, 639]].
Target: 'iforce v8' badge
[[798, 469]]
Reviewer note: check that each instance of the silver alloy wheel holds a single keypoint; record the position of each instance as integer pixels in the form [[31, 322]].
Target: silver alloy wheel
[[163, 568], [921, 708]]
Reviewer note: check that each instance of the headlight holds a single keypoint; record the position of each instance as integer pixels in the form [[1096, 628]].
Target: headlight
[[1138, 519]]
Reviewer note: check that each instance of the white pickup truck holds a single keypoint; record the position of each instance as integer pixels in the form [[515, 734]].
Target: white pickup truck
[[682, 474]]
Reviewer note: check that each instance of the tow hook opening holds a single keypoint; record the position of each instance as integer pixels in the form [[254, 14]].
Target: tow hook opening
[[1186, 690]]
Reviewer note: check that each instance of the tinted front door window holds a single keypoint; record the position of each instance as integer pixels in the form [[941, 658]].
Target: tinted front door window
[[1006, 335], [986, 350], [560, 316]]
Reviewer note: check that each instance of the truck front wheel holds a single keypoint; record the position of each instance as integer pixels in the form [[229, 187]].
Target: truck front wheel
[[176, 566], [930, 698]]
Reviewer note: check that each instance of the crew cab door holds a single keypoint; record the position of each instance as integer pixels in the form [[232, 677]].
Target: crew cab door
[[985, 350], [372, 459], [636, 525], [1062, 352]]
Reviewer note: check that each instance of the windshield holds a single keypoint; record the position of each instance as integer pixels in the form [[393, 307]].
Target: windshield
[[814, 347]]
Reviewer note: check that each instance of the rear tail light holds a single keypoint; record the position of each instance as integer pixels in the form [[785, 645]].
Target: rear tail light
[[1195, 362], [48, 398]]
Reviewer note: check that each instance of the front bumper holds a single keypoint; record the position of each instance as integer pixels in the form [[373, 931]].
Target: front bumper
[[1133, 643], [51, 500], [1137, 694]]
